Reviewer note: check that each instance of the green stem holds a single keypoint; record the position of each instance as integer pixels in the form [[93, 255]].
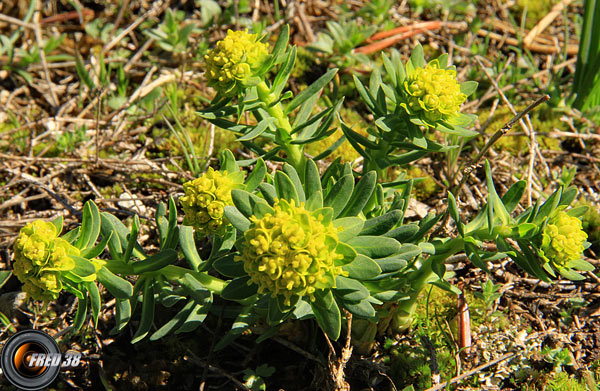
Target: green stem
[[420, 278], [171, 272], [213, 284], [294, 152]]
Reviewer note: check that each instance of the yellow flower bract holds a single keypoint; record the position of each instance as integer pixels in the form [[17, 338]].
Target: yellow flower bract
[[291, 252], [40, 258], [434, 93], [563, 239], [234, 60], [206, 198]]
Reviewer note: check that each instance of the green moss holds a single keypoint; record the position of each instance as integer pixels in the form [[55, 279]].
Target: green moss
[[344, 151], [536, 10], [426, 187], [543, 120]]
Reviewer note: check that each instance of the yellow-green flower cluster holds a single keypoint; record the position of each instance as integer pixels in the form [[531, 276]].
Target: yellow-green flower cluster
[[563, 239], [291, 252], [40, 259], [433, 93], [206, 198], [235, 60]]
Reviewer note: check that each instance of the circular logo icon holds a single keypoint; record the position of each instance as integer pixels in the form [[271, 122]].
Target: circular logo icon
[[31, 360]]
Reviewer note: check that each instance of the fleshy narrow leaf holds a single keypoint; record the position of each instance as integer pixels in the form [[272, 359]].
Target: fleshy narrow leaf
[[147, 312], [118, 287], [238, 289], [285, 187], [362, 268], [339, 195], [311, 90], [188, 246], [327, 314], [361, 194]]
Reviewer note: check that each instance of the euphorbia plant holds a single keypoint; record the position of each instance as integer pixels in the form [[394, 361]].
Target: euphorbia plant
[[298, 243]]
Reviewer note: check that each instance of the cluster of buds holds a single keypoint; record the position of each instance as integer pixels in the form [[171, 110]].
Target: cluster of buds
[[563, 240], [206, 198], [40, 259], [433, 94], [235, 60], [291, 252]]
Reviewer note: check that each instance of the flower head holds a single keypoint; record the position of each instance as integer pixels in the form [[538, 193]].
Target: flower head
[[235, 60], [291, 252], [563, 240], [206, 198], [40, 259], [433, 94]]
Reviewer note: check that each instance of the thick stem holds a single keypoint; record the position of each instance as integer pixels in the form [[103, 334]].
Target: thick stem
[[171, 272], [293, 151], [419, 279]]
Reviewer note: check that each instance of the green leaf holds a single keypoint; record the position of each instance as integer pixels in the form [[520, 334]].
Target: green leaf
[[256, 176], [147, 312], [310, 91], [350, 227], [380, 225], [349, 289], [237, 219], [417, 57], [293, 175], [196, 317], [258, 129], [58, 223], [453, 209], [282, 40], [285, 187], [363, 309], [122, 316], [120, 239], [228, 267], [315, 201], [155, 262], [312, 179], [174, 323], [284, 73], [118, 287], [513, 195], [95, 300], [570, 274], [132, 239], [90, 226], [362, 192], [362, 268], [468, 87], [228, 162], [582, 265], [495, 205], [245, 201], [80, 315], [83, 267], [339, 195], [328, 317], [403, 233], [94, 252], [375, 246], [188, 246], [269, 192], [238, 289]]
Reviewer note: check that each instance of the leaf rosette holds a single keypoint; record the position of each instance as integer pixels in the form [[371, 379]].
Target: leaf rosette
[[307, 249]]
